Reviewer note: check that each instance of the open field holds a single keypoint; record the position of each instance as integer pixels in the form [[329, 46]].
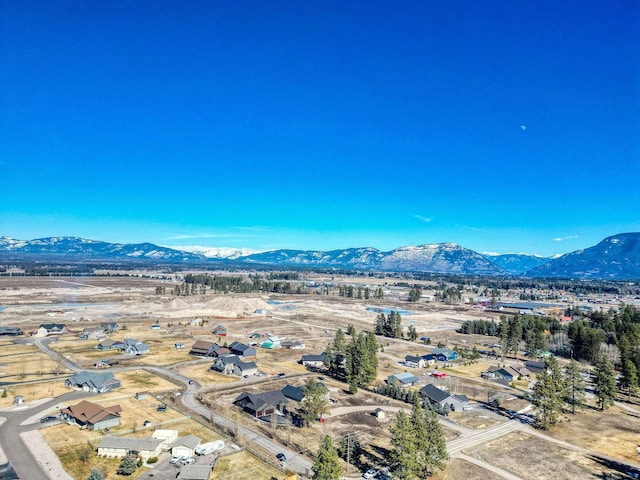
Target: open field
[[533, 458], [244, 466], [458, 468]]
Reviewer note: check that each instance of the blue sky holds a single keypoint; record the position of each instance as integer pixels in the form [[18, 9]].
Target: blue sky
[[505, 126]]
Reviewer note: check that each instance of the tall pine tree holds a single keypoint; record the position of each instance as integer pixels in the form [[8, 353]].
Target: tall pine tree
[[327, 463], [548, 394], [574, 394], [605, 383]]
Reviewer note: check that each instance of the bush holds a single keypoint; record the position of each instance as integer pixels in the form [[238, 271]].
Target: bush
[[152, 460]]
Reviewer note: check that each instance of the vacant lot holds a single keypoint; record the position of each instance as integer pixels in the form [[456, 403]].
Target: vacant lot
[[244, 466], [534, 458], [458, 468]]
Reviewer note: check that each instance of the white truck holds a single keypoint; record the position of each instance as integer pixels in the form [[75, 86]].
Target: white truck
[[210, 447]]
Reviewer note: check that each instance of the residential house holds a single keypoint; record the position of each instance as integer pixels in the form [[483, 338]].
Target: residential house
[[218, 351], [226, 363], [185, 446], [202, 348], [509, 373], [415, 361], [167, 437], [242, 350], [194, 472], [297, 345], [404, 379], [430, 359], [50, 329], [220, 331], [315, 361], [111, 345], [110, 327], [95, 333], [293, 393], [97, 382], [439, 398], [92, 416], [136, 347], [120, 447], [244, 369], [534, 366], [445, 354], [10, 331], [262, 404]]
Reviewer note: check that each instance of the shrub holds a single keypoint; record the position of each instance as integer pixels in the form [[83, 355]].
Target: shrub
[[152, 460]]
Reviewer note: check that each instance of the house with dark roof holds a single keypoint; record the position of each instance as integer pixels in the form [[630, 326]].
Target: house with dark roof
[[202, 349], [110, 327], [120, 447], [10, 331], [439, 398], [136, 347], [508, 373], [534, 366], [445, 354], [194, 472], [50, 329], [226, 363], [262, 404], [429, 358], [111, 345], [97, 382], [414, 361], [242, 350], [244, 369], [404, 379], [92, 416], [293, 393], [218, 351], [315, 361]]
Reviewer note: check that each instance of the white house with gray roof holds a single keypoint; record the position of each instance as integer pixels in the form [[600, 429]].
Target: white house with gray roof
[[120, 447], [97, 382]]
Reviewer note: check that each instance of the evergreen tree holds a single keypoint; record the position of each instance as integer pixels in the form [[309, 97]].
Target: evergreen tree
[[414, 294], [336, 352], [95, 475], [433, 454], [127, 466], [605, 383], [315, 402], [361, 366], [412, 333], [350, 449], [402, 459], [629, 379], [574, 386], [548, 394], [327, 464]]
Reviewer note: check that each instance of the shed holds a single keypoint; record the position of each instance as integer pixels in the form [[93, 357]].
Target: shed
[[142, 395], [185, 446], [378, 412]]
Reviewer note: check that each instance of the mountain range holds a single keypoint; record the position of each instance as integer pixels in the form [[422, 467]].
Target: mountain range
[[615, 258]]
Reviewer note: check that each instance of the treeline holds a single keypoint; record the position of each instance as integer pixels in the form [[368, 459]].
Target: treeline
[[239, 284], [355, 362]]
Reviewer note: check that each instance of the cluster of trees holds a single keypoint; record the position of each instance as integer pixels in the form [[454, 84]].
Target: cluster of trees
[[449, 295], [418, 444], [355, 362], [327, 465], [240, 284], [414, 294], [395, 391], [389, 325], [560, 390], [128, 465]]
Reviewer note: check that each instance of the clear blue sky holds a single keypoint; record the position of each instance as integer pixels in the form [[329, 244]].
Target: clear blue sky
[[506, 126]]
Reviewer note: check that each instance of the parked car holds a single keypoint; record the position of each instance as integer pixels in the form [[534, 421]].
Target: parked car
[[146, 423], [162, 408], [371, 473], [48, 418], [281, 457], [187, 460], [175, 459]]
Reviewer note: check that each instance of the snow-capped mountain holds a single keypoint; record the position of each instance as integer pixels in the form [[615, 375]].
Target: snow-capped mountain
[[218, 252], [516, 263], [436, 258], [616, 257], [82, 247]]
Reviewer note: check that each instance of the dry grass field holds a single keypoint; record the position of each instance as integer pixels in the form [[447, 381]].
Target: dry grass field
[[244, 466], [533, 458], [457, 469]]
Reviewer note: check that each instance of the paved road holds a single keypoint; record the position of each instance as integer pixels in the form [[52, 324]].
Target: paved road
[[14, 447]]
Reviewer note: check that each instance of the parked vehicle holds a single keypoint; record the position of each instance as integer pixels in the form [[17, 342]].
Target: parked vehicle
[[210, 447], [48, 418], [187, 460], [162, 408], [371, 473], [175, 459], [281, 457]]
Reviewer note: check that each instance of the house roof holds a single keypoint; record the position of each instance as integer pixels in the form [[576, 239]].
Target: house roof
[[294, 393], [259, 401], [404, 377], [194, 472], [89, 412], [219, 328], [434, 393], [429, 356], [412, 358], [139, 444], [93, 379], [202, 346], [444, 351], [314, 358], [230, 359], [240, 347], [189, 441], [110, 343], [52, 326], [244, 366]]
